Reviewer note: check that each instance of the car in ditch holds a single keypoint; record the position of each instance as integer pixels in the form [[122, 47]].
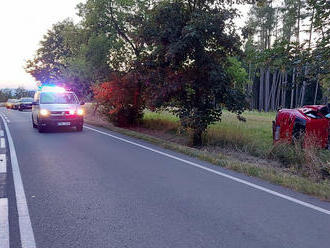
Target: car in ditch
[[309, 124]]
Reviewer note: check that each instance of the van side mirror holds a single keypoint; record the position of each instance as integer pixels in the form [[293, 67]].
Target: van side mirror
[[35, 103], [82, 103]]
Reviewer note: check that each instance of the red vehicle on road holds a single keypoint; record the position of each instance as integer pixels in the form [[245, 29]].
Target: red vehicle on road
[[310, 124]]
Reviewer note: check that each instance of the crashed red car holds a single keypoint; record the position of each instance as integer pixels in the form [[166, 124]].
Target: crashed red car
[[310, 123]]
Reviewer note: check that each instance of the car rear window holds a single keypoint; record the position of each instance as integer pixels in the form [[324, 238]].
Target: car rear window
[[26, 99]]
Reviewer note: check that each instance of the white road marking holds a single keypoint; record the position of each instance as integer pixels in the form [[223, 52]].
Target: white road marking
[[24, 221], [7, 119], [3, 163], [4, 223], [272, 192], [1, 133], [2, 143]]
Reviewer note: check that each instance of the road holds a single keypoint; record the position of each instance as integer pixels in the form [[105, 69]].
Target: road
[[89, 189]]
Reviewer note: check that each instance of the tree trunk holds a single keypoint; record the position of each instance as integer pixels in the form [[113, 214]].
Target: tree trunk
[[278, 91], [297, 95], [303, 88], [316, 89], [272, 92], [250, 88], [197, 137], [261, 90], [285, 77], [292, 86], [267, 90]]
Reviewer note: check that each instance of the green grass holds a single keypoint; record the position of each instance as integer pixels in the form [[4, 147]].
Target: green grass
[[253, 136]]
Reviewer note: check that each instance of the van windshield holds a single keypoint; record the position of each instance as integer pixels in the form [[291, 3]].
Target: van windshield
[[58, 98]]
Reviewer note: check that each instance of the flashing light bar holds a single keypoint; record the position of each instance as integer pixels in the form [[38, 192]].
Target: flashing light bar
[[49, 88]]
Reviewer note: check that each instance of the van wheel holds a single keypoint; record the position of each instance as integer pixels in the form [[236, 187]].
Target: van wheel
[[79, 128], [33, 125], [41, 129]]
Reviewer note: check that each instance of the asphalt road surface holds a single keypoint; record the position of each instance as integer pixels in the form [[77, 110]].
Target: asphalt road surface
[[97, 188]]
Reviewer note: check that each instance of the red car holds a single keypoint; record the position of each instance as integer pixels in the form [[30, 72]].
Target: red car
[[310, 123]]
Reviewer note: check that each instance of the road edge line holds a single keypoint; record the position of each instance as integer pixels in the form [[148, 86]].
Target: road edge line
[[25, 226], [4, 223], [242, 181]]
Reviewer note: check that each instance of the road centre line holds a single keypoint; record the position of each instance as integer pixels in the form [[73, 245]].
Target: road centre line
[[3, 163], [1, 133], [4, 223], [2, 143], [24, 221], [272, 192]]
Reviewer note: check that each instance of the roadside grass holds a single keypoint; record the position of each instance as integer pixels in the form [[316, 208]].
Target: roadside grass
[[253, 137]]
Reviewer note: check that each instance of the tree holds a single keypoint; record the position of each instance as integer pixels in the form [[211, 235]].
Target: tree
[[22, 92], [5, 94], [70, 55], [187, 67], [51, 57]]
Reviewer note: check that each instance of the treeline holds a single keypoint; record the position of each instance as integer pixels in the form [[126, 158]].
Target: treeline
[[287, 53], [17, 93], [183, 55]]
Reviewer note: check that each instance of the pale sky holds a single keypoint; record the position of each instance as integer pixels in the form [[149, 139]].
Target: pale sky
[[22, 25]]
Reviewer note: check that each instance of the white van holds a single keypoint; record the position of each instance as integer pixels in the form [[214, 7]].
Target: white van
[[54, 106]]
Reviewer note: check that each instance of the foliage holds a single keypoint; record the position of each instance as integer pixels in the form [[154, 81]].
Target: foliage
[[5, 94], [187, 67], [237, 73], [119, 100], [51, 56]]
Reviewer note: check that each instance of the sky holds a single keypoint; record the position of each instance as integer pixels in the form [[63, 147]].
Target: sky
[[22, 25]]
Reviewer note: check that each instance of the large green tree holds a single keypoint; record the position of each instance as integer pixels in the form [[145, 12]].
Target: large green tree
[[186, 69]]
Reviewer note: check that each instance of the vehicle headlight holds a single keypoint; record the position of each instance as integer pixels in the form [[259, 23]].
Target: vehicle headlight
[[71, 112], [80, 112], [44, 112]]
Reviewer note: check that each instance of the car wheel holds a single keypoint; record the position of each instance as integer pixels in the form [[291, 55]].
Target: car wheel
[[79, 128]]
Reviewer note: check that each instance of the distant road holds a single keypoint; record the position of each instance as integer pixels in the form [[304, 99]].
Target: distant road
[[89, 189]]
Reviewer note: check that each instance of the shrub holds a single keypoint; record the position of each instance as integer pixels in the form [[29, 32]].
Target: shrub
[[120, 100]]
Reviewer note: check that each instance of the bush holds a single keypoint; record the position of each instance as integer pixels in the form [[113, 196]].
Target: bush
[[120, 100]]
